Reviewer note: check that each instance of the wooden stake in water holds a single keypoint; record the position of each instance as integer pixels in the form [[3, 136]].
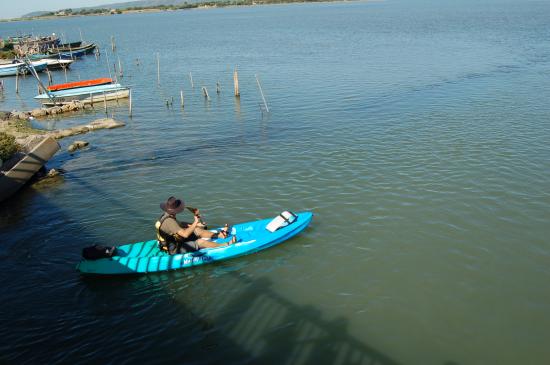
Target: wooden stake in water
[[120, 73], [17, 82], [158, 68], [49, 77], [130, 104], [236, 83], [262, 93], [108, 65], [218, 87], [181, 96], [191, 79], [113, 45], [205, 93], [115, 73], [105, 102]]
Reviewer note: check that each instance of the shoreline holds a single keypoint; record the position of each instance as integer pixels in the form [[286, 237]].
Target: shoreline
[[197, 6]]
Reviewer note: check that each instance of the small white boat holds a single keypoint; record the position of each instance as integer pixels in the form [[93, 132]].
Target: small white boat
[[87, 95], [12, 69], [53, 64]]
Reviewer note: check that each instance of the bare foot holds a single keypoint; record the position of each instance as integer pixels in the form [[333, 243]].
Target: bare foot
[[232, 241]]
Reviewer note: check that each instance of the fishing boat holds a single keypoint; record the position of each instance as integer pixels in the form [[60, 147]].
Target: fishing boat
[[53, 64], [82, 83], [75, 52], [20, 68], [19, 171], [67, 55], [87, 95], [70, 45], [12, 69], [147, 257]]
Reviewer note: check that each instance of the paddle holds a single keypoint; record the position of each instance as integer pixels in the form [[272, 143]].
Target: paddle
[[195, 212]]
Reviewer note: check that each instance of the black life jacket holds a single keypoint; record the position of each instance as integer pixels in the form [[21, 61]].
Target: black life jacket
[[167, 242]]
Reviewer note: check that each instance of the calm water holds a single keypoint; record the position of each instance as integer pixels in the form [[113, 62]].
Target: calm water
[[416, 131]]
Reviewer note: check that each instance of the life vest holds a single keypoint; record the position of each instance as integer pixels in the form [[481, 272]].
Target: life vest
[[167, 242]]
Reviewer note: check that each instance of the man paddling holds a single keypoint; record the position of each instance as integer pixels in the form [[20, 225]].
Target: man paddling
[[180, 237]]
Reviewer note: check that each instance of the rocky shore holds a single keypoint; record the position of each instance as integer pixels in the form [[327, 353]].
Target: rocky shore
[[24, 134]]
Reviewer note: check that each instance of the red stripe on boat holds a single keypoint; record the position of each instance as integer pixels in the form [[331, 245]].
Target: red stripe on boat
[[83, 83]]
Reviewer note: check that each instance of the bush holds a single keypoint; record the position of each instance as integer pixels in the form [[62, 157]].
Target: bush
[[7, 54], [8, 146]]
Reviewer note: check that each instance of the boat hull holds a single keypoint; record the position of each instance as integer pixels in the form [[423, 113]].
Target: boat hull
[[58, 64], [91, 94], [146, 257], [15, 68], [13, 179]]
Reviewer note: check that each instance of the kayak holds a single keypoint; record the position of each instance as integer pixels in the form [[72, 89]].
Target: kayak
[[147, 257]]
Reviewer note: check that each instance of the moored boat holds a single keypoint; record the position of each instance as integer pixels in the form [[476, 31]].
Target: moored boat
[[74, 51], [82, 83], [53, 64], [87, 95], [147, 257], [13, 69]]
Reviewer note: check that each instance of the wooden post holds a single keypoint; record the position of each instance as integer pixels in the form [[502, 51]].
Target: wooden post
[[108, 64], [65, 69], [236, 83], [130, 105], [262, 93], [205, 92], [181, 95], [17, 81], [120, 68], [191, 79], [158, 68], [113, 45], [218, 87], [105, 102], [115, 73], [49, 77]]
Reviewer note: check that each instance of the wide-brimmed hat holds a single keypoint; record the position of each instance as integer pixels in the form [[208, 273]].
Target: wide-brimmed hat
[[173, 205]]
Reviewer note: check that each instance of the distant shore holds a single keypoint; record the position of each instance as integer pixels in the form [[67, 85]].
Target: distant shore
[[156, 9]]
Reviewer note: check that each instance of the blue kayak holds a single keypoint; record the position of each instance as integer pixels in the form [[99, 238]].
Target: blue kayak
[[146, 257]]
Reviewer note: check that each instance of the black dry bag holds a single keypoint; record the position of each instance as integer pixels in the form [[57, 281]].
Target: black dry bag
[[97, 252]]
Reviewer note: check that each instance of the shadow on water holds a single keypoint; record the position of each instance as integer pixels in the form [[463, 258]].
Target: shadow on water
[[213, 314], [246, 323]]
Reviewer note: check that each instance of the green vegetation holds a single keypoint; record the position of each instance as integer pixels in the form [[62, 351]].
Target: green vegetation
[[8, 146], [7, 52], [222, 3]]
